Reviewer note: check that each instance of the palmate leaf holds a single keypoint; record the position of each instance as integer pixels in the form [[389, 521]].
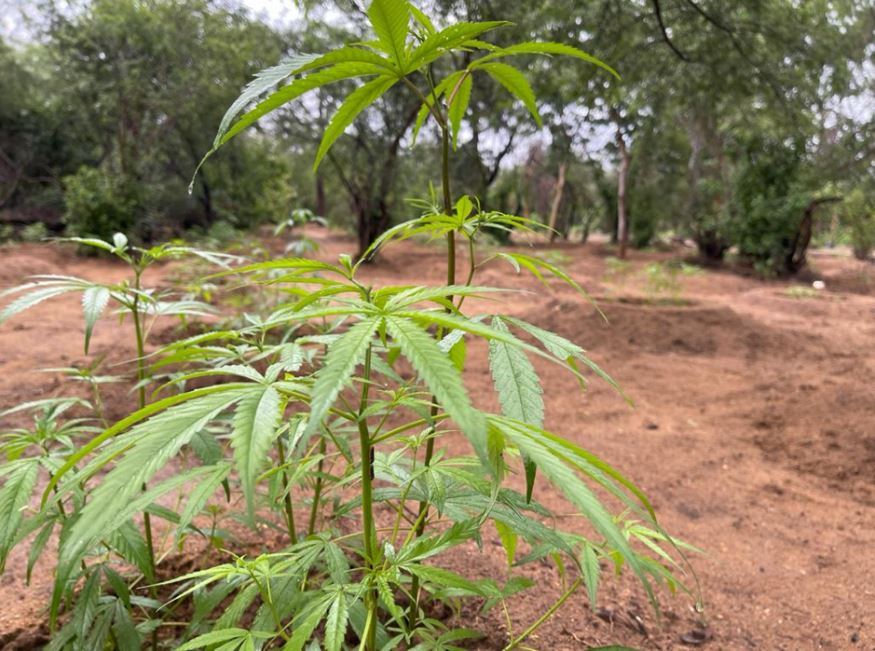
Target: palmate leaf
[[264, 81], [425, 110], [42, 291], [336, 622], [94, 301], [343, 356], [355, 103], [390, 20], [286, 94], [555, 468], [253, 432], [149, 445], [518, 388], [306, 622], [294, 90], [515, 83], [444, 380], [14, 497], [447, 39], [534, 47], [516, 380], [213, 638], [459, 98]]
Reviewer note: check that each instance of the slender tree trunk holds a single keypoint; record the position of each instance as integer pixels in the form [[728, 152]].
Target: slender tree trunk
[[557, 200], [622, 182], [796, 257], [321, 201]]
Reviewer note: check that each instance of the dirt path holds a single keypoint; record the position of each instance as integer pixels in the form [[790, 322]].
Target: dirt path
[[753, 432]]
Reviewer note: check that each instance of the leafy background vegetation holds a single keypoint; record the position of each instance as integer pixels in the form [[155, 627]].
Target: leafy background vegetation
[[109, 104]]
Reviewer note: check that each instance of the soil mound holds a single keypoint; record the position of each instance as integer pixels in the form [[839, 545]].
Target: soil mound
[[692, 329]]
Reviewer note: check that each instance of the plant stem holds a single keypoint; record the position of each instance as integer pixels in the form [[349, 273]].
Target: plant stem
[[514, 643], [141, 400], [287, 498], [317, 491], [422, 517], [368, 533]]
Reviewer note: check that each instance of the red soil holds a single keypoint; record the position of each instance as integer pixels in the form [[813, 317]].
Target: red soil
[[753, 432]]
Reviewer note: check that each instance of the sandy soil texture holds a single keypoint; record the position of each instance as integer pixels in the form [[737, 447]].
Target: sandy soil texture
[[753, 431]]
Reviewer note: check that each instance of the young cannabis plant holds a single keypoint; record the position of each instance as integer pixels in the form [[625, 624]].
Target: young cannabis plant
[[143, 306], [329, 415]]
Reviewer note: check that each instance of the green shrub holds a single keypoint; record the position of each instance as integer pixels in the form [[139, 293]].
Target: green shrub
[[98, 205], [858, 216], [35, 232], [769, 207]]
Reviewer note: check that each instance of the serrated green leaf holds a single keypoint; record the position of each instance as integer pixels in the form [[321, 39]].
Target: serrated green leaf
[[390, 20], [129, 543], [445, 578], [447, 39], [306, 622], [336, 622], [43, 292], [263, 81], [516, 84], [201, 493], [37, 547], [519, 390], [459, 98], [125, 633], [444, 380], [14, 497], [147, 446], [343, 356], [94, 301], [214, 637], [576, 491], [516, 381], [508, 539], [534, 47], [253, 431], [356, 102], [590, 569]]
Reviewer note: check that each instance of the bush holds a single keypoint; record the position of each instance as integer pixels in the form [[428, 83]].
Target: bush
[[769, 208], [98, 205], [858, 216]]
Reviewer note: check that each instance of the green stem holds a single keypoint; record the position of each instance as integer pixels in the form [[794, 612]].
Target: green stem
[[141, 400], [514, 643], [472, 268], [369, 537], [287, 498], [422, 517], [317, 491]]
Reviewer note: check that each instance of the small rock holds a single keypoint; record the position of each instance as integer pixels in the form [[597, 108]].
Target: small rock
[[696, 637], [855, 637]]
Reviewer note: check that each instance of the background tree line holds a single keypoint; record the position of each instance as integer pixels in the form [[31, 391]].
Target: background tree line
[[744, 126]]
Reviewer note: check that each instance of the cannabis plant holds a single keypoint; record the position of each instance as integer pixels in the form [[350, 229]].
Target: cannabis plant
[[328, 417], [54, 437]]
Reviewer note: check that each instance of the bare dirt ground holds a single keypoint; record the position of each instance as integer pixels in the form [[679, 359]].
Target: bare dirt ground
[[753, 432]]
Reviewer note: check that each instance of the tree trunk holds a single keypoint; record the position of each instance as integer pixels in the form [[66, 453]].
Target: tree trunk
[[796, 257], [321, 202], [373, 221], [622, 182], [557, 200]]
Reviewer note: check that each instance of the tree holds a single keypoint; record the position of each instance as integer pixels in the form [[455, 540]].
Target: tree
[[145, 82]]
